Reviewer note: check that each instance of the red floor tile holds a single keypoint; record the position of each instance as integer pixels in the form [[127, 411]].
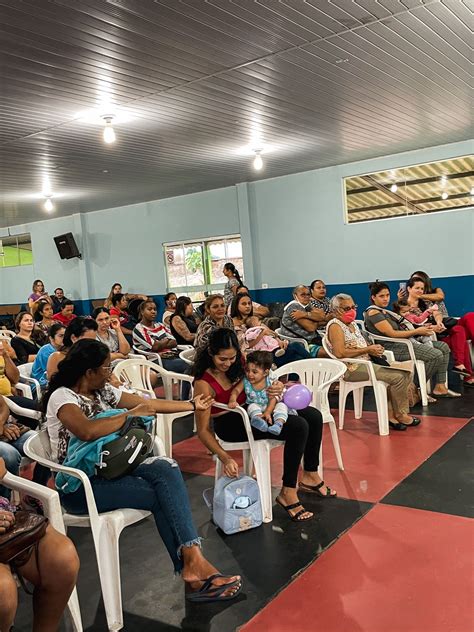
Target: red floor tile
[[397, 570], [373, 464]]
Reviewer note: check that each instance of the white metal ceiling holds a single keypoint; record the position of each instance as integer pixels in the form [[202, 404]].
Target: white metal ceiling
[[322, 82]]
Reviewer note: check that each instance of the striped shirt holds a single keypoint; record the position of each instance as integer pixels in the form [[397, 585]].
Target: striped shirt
[[144, 337]]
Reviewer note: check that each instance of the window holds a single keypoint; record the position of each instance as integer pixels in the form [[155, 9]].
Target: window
[[422, 189], [195, 267], [16, 251]]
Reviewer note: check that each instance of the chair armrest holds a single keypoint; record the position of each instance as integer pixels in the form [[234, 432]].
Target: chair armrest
[[245, 418], [25, 389], [23, 412], [404, 341]]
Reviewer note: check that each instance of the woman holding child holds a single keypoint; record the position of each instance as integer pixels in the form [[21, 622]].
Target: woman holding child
[[253, 335], [219, 372]]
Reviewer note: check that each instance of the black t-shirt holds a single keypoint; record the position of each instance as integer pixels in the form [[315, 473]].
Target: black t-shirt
[[23, 348]]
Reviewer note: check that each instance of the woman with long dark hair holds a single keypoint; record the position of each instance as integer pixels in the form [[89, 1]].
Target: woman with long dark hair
[[215, 317], [234, 281], [183, 325], [218, 368], [77, 393], [24, 343], [77, 329]]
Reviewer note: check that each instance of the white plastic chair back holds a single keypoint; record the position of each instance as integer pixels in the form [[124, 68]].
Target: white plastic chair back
[[149, 355], [28, 385], [136, 373], [7, 334], [188, 355], [292, 339], [318, 375]]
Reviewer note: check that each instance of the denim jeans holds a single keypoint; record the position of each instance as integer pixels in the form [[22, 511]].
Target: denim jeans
[[157, 485], [12, 452]]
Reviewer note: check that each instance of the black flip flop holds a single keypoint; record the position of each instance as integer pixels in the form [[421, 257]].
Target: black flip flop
[[208, 592], [295, 517], [316, 489]]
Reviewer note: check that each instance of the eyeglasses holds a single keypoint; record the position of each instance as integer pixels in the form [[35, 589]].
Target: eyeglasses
[[348, 309], [305, 294]]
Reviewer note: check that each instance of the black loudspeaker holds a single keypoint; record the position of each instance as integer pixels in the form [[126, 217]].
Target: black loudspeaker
[[67, 246]]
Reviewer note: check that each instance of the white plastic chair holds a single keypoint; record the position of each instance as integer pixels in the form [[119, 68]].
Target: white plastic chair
[[7, 334], [30, 385], [106, 527], [256, 453], [318, 375], [357, 390], [137, 372], [52, 510], [418, 364], [149, 355], [188, 355], [292, 339]]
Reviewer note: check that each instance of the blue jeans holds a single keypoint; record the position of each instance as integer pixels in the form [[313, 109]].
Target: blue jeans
[[156, 485], [295, 351], [12, 452]]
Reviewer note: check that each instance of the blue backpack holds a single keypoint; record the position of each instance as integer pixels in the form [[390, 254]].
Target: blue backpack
[[235, 504]]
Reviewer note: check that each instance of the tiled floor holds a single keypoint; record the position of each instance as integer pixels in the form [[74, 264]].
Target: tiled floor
[[392, 554]]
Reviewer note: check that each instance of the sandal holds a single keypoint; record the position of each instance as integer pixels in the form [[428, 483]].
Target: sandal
[[450, 394], [295, 517], [315, 489], [209, 592]]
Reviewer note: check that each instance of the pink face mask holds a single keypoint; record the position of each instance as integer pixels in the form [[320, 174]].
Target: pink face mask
[[349, 316]]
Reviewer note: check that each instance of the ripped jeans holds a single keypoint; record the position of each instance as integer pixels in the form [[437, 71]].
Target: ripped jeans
[[156, 485]]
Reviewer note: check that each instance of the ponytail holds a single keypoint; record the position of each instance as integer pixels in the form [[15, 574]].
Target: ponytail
[[230, 266]]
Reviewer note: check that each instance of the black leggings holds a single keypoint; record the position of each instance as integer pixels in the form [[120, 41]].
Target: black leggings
[[301, 433]]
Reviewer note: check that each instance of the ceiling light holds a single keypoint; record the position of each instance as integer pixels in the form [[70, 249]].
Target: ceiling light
[[443, 180], [48, 205], [258, 162], [394, 188], [444, 195], [472, 190], [109, 133]]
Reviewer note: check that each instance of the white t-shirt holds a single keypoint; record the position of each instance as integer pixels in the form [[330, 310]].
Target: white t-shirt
[[105, 399]]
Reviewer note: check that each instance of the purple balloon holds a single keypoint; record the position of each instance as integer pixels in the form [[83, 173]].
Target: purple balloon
[[297, 396]]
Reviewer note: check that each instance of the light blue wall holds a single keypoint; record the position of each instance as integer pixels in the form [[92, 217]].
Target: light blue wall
[[292, 230]]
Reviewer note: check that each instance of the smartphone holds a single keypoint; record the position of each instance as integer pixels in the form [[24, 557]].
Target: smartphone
[[403, 287]]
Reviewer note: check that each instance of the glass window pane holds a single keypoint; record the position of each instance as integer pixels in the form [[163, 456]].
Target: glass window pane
[[217, 258], [194, 264], [25, 250], [175, 265], [11, 255]]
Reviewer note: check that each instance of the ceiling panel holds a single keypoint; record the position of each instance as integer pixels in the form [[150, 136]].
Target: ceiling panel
[[193, 82]]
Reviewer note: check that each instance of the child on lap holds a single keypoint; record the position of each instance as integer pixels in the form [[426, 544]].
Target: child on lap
[[264, 338], [266, 413]]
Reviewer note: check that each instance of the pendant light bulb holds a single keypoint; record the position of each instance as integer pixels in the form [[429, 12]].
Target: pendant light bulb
[[258, 162], [472, 190], [394, 188], [444, 195], [109, 132], [48, 205]]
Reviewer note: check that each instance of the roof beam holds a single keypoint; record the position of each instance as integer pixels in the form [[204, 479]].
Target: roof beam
[[395, 196], [453, 176]]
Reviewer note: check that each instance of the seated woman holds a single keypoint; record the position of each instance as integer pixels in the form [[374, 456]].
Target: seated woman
[[37, 295], [79, 391], [379, 321], [183, 325], [117, 289], [242, 311], [53, 573], [153, 336], [298, 322], [79, 328], [320, 305], [347, 341], [56, 338], [44, 319], [109, 332], [119, 310], [454, 339], [215, 317], [170, 306], [9, 376], [217, 369], [258, 309], [24, 344]]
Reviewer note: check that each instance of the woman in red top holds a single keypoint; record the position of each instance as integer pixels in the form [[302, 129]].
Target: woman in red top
[[217, 368]]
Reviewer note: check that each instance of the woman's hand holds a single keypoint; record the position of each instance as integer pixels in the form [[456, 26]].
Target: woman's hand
[[203, 403], [7, 520], [276, 389], [11, 432], [231, 468], [143, 410], [424, 331], [375, 350], [298, 313], [438, 328], [115, 324], [401, 294]]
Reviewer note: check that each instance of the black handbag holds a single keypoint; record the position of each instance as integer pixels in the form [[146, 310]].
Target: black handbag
[[122, 455]]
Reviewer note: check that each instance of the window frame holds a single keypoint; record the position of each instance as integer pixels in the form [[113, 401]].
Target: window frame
[[17, 246]]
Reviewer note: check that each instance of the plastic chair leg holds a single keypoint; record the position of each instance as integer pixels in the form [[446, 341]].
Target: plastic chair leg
[[320, 467], [74, 612], [248, 463], [380, 392], [264, 479], [335, 442], [420, 368], [168, 435], [358, 394], [343, 392], [108, 561]]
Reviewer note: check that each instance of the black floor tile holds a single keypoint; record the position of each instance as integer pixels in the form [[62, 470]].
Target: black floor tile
[[267, 558], [444, 483]]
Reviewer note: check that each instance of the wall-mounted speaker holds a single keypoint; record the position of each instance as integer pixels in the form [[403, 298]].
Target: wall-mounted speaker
[[67, 246]]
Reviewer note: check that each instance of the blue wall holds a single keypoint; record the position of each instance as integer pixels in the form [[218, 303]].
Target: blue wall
[[293, 230]]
